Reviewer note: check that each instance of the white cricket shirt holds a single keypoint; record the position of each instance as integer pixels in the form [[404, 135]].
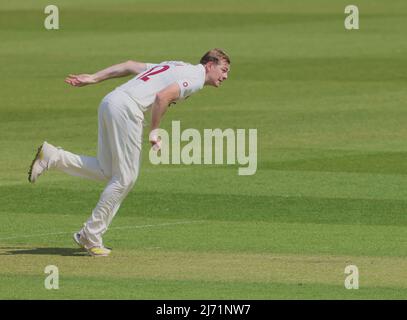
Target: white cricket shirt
[[144, 87]]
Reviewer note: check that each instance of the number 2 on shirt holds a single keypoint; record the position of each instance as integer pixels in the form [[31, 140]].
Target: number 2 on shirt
[[146, 75]]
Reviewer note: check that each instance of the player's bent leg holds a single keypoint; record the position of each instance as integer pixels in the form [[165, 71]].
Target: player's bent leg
[[105, 210], [50, 157], [80, 166], [119, 148]]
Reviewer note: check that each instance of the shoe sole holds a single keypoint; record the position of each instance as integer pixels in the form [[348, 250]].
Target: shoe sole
[[32, 163], [98, 255]]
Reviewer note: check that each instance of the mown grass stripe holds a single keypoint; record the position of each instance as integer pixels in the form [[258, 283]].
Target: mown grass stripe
[[112, 228]]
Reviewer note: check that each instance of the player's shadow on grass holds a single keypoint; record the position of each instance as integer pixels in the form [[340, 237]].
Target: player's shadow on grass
[[66, 252]]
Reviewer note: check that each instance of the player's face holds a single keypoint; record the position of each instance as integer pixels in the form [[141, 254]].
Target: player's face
[[217, 73]]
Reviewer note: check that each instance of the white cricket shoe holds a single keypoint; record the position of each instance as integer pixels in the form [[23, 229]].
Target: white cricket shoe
[[93, 251], [42, 161]]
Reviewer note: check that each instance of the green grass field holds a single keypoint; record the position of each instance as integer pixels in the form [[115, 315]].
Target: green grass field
[[330, 190]]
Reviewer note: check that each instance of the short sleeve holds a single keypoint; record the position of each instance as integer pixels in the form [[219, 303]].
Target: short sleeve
[[188, 87], [150, 65]]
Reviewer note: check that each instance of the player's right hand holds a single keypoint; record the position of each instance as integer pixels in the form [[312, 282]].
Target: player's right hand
[[155, 140], [80, 80], [157, 145]]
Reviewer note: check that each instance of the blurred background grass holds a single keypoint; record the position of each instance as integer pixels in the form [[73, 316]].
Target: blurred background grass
[[329, 106]]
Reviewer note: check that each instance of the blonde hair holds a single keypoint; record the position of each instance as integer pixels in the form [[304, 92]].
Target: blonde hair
[[215, 55]]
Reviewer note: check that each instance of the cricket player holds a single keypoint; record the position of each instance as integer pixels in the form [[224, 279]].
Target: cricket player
[[120, 126]]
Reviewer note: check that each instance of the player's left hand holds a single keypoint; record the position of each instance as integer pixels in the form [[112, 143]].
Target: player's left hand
[[80, 80]]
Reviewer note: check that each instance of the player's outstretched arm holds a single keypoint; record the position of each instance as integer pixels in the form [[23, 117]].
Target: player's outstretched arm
[[115, 71]]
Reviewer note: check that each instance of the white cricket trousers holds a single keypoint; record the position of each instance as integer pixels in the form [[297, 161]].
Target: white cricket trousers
[[118, 160]]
